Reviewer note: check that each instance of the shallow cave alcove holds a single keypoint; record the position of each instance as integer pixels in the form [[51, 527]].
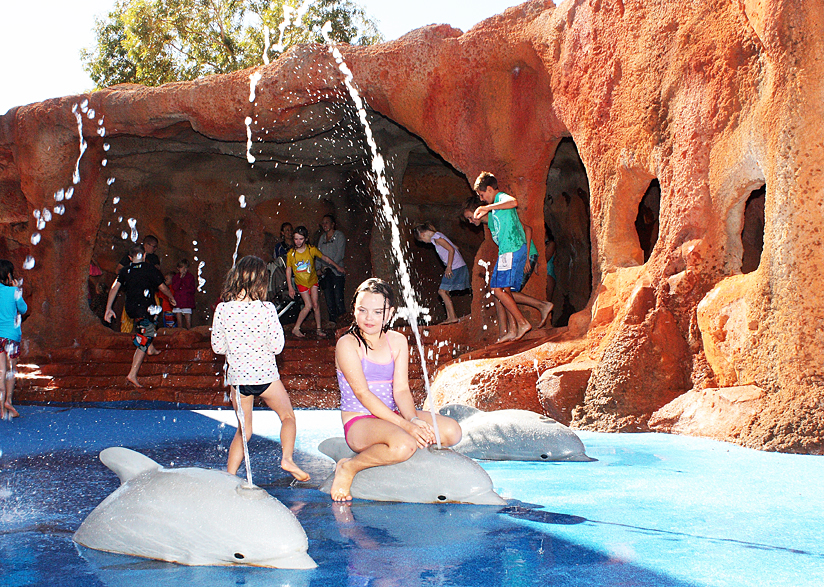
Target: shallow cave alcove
[[752, 234], [206, 200], [566, 213], [646, 223]]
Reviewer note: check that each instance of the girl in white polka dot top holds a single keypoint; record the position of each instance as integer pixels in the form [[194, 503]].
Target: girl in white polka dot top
[[247, 330]]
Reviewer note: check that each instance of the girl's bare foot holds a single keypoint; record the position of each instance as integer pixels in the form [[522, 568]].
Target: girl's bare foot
[[546, 310], [321, 333], [522, 330], [298, 333], [506, 337], [450, 321], [152, 351], [342, 482], [11, 411], [133, 381], [289, 466]]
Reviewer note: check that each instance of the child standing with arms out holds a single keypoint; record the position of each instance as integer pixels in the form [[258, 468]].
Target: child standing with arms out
[[12, 308], [300, 262], [183, 284], [456, 274], [247, 330]]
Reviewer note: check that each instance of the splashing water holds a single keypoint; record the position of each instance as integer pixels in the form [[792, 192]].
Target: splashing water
[[133, 225], [242, 420], [291, 16], [413, 310], [239, 233], [249, 157], [200, 280], [83, 145], [35, 238], [242, 201], [28, 263]]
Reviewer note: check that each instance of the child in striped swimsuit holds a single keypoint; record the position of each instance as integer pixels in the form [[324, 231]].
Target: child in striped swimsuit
[[380, 421]]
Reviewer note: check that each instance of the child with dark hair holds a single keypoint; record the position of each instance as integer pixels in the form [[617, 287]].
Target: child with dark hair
[[140, 280], [183, 285], [247, 330], [12, 308], [300, 262], [456, 274], [380, 421]]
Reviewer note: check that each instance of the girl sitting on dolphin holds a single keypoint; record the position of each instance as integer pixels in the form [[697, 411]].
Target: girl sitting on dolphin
[[380, 421]]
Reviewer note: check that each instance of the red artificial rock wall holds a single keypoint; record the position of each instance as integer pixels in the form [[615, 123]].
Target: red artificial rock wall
[[713, 99]]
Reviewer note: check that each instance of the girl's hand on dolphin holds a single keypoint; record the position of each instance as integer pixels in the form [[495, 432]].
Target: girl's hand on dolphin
[[422, 432]]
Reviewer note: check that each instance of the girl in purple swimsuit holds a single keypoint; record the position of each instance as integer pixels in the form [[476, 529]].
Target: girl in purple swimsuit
[[380, 421]]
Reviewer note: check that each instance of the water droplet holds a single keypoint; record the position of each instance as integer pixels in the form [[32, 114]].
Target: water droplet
[[242, 200], [106, 146], [60, 209], [84, 105], [28, 263], [133, 225], [69, 193], [110, 181], [124, 235], [116, 200], [47, 215], [104, 162], [35, 238], [90, 114], [59, 195]]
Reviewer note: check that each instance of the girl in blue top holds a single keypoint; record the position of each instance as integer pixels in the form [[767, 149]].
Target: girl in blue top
[[12, 308]]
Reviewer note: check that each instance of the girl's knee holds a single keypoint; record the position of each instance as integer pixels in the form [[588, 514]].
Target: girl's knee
[[403, 448], [451, 432]]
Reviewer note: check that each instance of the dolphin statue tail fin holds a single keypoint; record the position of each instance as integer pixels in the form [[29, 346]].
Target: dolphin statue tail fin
[[126, 463], [458, 412]]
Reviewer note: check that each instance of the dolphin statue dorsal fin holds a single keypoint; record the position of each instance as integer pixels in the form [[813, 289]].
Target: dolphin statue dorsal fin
[[458, 412], [126, 463]]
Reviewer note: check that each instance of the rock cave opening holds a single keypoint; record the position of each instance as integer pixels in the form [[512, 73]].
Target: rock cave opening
[[194, 193], [567, 218], [752, 233], [646, 223]]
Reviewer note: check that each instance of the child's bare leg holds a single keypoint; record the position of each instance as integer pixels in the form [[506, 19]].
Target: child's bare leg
[[383, 444], [9, 380], [450, 309], [3, 372], [179, 319], [236, 453], [307, 307], [316, 309], [522, 324], [545, 308], [278, 400], [187, 318], [137, 361]]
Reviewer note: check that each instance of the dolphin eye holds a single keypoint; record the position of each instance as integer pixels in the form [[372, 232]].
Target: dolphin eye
[[239, 556], [545, 457], [441, 498]]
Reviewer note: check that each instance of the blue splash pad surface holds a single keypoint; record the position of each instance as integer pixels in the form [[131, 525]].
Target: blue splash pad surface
[[653, 510]]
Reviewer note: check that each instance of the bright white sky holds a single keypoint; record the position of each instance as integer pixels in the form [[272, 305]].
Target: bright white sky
[[41, 41]]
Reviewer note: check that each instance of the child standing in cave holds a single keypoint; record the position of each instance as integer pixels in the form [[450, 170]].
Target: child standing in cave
[[456, 274], [517, 256]]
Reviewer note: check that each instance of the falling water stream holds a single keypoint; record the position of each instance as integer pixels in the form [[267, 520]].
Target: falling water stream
[[413, 310]]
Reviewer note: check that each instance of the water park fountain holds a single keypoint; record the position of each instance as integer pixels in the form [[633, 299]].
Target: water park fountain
[[710, 108]]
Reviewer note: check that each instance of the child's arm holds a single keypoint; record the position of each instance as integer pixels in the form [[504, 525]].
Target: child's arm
[[505, 202], [22, 307], [329, 261], [110, 301], [450, 252], [423, 433], [168, 293], [289, 281], [219, 343], [528, 233]]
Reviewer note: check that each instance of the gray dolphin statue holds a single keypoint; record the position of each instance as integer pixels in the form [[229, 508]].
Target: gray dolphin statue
[[514, 435], [431, 475], [192, 516]]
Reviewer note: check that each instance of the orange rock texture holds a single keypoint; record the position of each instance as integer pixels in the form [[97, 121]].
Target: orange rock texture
[[713, 100]]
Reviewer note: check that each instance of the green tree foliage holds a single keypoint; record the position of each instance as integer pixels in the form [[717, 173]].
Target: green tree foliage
[[153, 42]]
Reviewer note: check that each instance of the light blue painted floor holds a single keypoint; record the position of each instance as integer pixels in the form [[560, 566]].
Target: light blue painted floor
[[652, 510]]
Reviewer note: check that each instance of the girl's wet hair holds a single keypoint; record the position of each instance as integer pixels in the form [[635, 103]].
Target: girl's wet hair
[[425, 227], [6, 272], [301, 230], [375, 286], [248, 276]]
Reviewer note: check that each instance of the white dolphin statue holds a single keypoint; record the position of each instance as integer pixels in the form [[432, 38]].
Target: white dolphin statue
[[192, 516], [514, 435], [431, 475]]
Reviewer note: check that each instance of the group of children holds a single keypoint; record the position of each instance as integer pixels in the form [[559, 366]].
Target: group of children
[[380, 421]]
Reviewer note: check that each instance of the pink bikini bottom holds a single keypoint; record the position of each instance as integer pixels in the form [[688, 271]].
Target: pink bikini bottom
[[349, 423]]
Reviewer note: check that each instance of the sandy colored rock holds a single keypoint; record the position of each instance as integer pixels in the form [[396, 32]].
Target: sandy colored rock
[[562, 388], [721, 413]]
